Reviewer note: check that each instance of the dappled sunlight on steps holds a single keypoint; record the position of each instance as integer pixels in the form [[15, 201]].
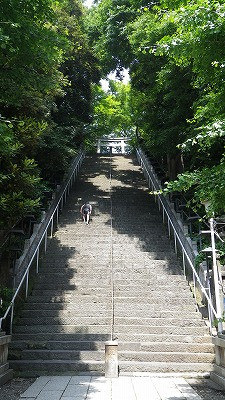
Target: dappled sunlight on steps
[[67, 317]]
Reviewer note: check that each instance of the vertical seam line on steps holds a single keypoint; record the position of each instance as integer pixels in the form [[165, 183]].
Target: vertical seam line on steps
[[111, 247]]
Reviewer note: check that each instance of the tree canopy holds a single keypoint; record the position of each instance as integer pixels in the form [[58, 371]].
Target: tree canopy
[[53, 54], [175, 55], [112, 111], [46, 71]]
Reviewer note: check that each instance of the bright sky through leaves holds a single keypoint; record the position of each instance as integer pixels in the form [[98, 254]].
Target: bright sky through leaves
[[88, 3], [112, 75]]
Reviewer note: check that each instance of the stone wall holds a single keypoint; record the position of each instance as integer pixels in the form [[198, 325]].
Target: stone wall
[[5, 372]]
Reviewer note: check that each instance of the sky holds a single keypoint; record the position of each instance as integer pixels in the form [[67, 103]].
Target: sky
[[105, 82], [88, 3]]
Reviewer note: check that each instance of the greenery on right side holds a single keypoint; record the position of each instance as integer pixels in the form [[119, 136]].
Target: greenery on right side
[[176, 58]]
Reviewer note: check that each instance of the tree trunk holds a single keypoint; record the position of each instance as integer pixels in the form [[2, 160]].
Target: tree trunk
[[175, 165]]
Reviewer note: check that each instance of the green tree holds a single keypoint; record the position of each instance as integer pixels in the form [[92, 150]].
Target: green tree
[[175, 54], [31, 52], [19, 177], [46, 70], [112, 114]]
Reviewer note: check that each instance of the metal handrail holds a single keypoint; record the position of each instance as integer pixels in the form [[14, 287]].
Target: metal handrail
[[179, 237], [42, 233]]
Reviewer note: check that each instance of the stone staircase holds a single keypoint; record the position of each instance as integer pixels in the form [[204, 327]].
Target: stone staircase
[[67, 318]]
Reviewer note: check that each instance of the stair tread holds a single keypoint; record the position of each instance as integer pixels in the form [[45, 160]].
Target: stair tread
[[70, 304]]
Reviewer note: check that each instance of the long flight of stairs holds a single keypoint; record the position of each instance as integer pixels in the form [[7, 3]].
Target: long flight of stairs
[[67, 318]]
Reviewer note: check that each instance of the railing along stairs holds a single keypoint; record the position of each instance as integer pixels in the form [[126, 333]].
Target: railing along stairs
[[47, 226], [182, 243]]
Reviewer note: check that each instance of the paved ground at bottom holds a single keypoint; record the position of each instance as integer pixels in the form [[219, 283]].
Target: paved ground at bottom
[[100, 388]]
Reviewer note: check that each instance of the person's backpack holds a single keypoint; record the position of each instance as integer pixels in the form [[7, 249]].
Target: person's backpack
[[86, 208]]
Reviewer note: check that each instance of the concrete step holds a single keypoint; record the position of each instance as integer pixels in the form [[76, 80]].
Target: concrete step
[[101, 259], [121, 329], [67, 298], [167, 290], [65, 320], [131, 275], [141, 356], [58, 314], [122, 270], [6, 374], [73, 285], [165, 367], [146, 234], [125, 290], [59, 307], [102, 320], [33, 339], [70, 238], [152, 254], [117, 248], [99, 312], [169, 357], [40, 368], [218, 375], [180, 347], [178, 321], [141, 314], [160, 329], [161, 299], [132, 300], [92, 329], [105, 280], [54, 355], [157, 347], [143, 308], [55, 345], [36, 368], [73, 293]]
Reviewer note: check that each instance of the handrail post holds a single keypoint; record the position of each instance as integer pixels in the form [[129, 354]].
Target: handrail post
[[169, 227], [184, 265], [215, 276], [57, 215], [159, 203], [37, 263], [175, 242], [46, 238], [11, 317], [52, 226], [209, 309], [194, 284], [27, 284]]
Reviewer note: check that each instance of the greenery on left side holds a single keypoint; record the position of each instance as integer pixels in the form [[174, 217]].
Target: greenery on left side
[[46, 73], [5, 299]]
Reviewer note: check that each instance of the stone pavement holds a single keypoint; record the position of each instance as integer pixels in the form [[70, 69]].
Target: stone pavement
[[100, 388]]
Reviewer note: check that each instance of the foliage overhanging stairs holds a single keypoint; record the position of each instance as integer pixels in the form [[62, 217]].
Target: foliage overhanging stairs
[[67, 318]]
